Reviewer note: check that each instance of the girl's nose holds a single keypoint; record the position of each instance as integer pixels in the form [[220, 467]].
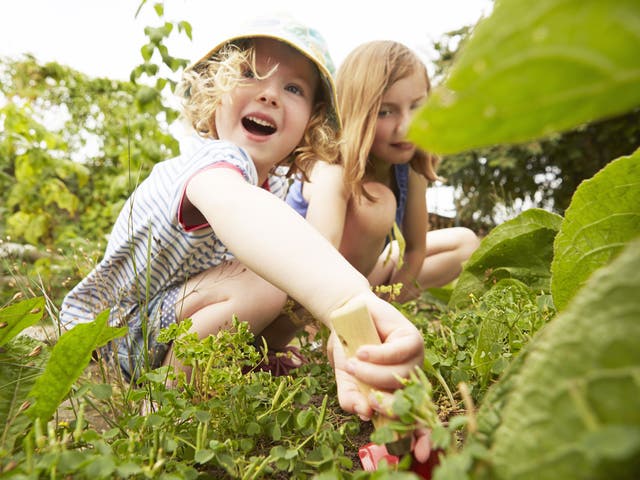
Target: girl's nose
[[268, 95], [403, 124]]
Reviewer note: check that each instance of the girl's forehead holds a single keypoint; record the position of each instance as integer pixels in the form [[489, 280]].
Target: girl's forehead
[[275, 51], [411, 87]]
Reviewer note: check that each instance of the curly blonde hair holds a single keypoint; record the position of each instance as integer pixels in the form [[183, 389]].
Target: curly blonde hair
[[362, 80], [204, 85]]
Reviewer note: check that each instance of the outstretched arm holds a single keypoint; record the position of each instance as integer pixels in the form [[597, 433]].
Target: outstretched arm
[[267, 236], [271, 239]]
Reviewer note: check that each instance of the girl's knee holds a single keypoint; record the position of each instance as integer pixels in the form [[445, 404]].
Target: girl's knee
[[468, 241], [268, 299], [213, 298]]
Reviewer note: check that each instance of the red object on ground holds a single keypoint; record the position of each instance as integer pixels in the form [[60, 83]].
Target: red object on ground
[[372, 454]]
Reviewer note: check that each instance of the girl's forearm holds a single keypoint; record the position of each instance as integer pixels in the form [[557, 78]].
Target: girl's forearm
[[407, 275], [271, 239]]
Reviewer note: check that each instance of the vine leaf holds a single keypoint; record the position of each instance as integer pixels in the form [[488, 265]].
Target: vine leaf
[[531, 69], [576, 393], [604, 216]]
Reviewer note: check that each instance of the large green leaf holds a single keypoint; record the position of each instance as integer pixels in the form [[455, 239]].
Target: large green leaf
[[572, 409], [533, 68], [69, 358], [17, 317], [521, 248], [604, 215]]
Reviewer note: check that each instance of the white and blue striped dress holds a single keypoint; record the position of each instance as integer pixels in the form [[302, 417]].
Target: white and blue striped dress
[[150, 249]]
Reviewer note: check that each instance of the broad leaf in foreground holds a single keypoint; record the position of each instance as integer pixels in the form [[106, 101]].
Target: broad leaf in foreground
[[569, 405], [574, 411], [21, 363], [604, 215], [534, 68]]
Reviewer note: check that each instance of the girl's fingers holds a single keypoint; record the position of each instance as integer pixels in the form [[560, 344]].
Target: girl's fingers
[[403, 346], [379, 377], [422, 446], [350, 397]]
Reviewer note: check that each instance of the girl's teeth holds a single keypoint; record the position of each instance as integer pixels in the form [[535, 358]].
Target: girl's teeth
[[259, 121]]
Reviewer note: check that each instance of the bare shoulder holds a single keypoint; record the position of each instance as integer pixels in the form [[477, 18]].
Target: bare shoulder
[[325, 178], [323, 170]]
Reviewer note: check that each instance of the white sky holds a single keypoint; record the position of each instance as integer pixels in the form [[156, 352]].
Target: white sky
[[102, 37]]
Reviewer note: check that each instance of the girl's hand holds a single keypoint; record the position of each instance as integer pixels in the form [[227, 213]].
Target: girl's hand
[[379, 366], [402, 349], [422, 444], [350, 396]]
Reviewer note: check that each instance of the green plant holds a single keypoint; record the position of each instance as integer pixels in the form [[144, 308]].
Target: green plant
[[567, 405], [557, 393]]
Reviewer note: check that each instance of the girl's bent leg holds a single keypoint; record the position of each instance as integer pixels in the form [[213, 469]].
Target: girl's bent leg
[[211, 298], [447, 250]]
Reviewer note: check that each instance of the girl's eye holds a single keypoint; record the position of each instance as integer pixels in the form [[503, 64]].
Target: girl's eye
[[294, 89], [384, 113], [248, 73]]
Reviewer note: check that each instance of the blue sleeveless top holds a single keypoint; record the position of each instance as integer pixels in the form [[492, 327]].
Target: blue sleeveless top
[[300, 205], [295, 198], [402, 190]]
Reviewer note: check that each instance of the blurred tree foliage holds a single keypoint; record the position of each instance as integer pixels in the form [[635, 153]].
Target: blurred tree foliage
[[498, 182], [72, 148]]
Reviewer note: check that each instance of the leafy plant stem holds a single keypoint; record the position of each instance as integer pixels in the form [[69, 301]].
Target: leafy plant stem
[[254, 474], [445, 386]]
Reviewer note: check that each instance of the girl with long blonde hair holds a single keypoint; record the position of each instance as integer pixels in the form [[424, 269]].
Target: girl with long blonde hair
[[372, 205]]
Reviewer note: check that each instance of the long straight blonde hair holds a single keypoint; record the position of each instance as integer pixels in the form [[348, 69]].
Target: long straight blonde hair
[[362, 80]]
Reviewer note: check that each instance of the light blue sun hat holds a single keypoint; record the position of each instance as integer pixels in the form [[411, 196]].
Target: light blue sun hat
[[306, 40]]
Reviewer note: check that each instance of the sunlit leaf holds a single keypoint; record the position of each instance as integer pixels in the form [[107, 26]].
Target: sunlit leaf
[[186, 28], [533, 68], [521, 248]]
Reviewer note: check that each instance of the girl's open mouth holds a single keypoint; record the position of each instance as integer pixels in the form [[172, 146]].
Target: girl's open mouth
[[258, 126]]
